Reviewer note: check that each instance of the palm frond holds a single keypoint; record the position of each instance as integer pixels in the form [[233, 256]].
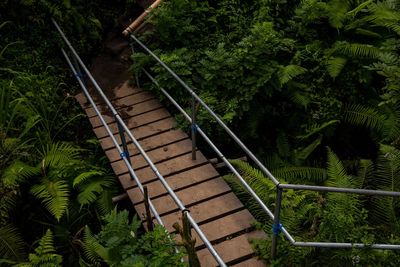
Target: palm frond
[[12, 246], [54, 195]]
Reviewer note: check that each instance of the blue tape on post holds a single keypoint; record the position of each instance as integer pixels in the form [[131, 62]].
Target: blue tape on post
[[277, 229], [194, 127], [124, 154]]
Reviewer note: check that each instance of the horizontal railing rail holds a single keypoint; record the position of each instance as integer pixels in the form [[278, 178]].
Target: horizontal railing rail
[[123, 129], [277, 226]]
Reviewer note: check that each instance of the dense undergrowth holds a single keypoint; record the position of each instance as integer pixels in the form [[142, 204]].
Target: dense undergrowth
[[293, 78], [55, 181]]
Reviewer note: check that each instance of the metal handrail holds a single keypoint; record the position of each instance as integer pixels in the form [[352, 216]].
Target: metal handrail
[[277, 227], [93, 104], [124, 153]]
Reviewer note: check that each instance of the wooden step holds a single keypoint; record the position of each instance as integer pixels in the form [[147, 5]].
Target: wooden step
[[233, 249], [225, 221], [157, 155], [150, 143], [166, 168]]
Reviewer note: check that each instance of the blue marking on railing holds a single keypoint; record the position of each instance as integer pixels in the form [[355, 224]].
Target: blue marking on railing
[[124, 154], [277, 229]]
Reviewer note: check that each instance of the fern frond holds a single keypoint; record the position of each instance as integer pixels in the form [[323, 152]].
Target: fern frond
[[92, 249], [18, 172], [382, 211], [387, 168], [359, 8], [302, 154], [282, 143], [335, 65], [365, 173], [81, 178], [91, 191], [289, 72], [301, 174], [316, 128], [104, 203], [337, 175], [368, 33], [355, 50], [364, 116], [299, 97], [45, 254], [54, 195], [12, 246], [391, 129], [59, 154]]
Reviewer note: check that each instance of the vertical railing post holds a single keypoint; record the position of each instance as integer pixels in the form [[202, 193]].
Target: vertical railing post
[[277, 226], [134, 63], [149, 220], [123, 139], [187, 240], [193, 128]]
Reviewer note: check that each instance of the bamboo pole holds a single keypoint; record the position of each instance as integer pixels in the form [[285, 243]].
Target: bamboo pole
[[140, 19]]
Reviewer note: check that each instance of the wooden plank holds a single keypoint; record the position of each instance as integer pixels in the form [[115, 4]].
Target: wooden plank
[[166, 168], [206, 211], [188, 196], [96, 122], [130, 111], [156, 156], [132, 99], [114, 95], [132, 122], [225, 227], [150, 143], [176, 182], [142, 132], [233, 249], [253, 262], [123, 90]]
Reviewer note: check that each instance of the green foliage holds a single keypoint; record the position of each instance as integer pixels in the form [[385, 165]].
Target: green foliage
[[45, 254], [119, 244], [12, 246]]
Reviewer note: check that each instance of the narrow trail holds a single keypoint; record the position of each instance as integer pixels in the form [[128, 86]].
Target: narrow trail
[[220, 214]]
